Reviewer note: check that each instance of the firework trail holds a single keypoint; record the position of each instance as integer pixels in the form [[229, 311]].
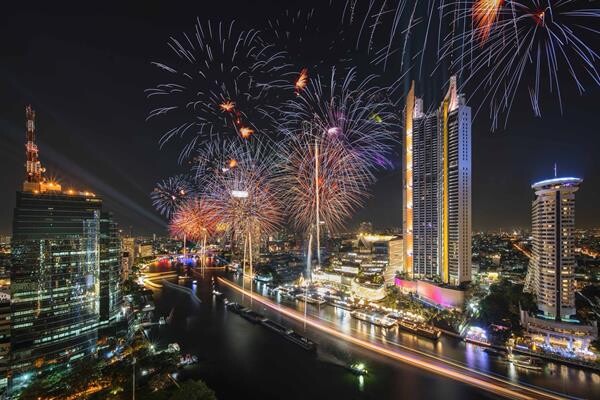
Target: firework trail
[[215, 84], [520, 45], [170, 194]]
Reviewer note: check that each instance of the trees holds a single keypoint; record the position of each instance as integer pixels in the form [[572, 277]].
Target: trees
[[193, 390]]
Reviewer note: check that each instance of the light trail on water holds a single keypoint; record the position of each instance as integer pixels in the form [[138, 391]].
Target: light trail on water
[[450, 370]]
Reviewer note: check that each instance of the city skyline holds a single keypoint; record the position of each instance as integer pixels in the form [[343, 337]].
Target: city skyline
[[305, 200], [119, 157]]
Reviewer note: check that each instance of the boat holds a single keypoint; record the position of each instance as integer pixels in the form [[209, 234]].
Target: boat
[[310, 299], [358, 369], [252, 316], [216, 292], [526, 362], [428, 331], [408, 325], [235, 307], [374, 318], [289, 334], [194, 281], [187, 359], [274, 326], [344, 305], [300, 340]]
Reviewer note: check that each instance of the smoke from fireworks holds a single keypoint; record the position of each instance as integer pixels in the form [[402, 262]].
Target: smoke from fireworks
[[170, 194]]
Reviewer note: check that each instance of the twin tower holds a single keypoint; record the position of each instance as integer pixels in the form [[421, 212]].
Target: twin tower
[[437, 189]]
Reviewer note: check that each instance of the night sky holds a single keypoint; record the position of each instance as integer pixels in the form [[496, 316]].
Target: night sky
[[85, 71]]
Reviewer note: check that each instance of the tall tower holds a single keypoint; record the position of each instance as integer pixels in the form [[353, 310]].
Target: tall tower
[[33, 167], [407, 184], [34, 172], [426, 147], [455, 211], [437, 189], [551, 267]]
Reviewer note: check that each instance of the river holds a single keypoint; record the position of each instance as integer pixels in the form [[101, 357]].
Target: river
[[241, 359]]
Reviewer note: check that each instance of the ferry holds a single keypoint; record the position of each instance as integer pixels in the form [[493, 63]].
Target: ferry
[[531, 363], [310, 299], [429, 331], [408, 325], [373, 318], [344, 305]]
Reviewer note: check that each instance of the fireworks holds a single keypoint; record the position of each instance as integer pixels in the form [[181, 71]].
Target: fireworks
[[334, 143], [301, 81], [195, 219], [170, 193], [215, 85], [527, 44], [485, 13], [243, 188]]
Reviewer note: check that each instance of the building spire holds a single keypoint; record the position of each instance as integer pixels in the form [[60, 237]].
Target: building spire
[[33, 167], [34, 172], [555, 171]]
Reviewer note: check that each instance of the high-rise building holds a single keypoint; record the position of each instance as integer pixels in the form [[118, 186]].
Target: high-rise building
[[4, 338], [552, 264], [437, 189], [127, 257], [64, 272]]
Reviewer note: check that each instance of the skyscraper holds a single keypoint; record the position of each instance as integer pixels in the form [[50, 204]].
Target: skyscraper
[[551, 267], [437, 189], [64, 273]]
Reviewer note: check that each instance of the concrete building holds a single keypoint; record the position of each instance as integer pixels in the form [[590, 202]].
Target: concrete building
[[552, 265]]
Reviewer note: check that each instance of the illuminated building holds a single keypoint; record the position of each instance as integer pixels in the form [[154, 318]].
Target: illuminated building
[[437, 189], [64, 273], [551, 268], [127, 256], [4, 338]]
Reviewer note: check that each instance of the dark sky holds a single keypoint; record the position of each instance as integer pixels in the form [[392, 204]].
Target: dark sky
[[85, 71]]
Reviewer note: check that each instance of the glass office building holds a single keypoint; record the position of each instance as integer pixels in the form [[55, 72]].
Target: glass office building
[[56, 279]]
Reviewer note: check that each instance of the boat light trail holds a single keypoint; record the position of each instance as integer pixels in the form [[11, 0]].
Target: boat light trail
[[500, 387]]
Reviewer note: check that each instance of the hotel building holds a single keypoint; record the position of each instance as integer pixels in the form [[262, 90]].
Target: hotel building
[[552, 265]]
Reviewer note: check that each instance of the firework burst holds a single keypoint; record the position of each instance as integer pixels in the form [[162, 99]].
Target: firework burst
[[194, 219], [526, 44], [215, 84], [337, 134], [240, 182], [170, 193]]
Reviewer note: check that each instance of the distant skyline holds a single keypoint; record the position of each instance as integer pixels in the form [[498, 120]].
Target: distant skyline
[[85, 76]]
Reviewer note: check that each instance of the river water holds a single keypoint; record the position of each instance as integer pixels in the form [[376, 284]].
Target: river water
[[240, 359]]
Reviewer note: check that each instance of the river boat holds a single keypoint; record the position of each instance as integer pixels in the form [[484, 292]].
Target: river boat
[[374, 318]]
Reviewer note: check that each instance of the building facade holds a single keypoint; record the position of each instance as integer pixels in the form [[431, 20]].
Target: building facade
[[550, 276], [437, 189], [64, 273], [55, 282]]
